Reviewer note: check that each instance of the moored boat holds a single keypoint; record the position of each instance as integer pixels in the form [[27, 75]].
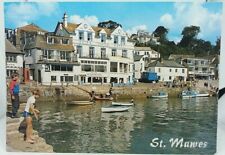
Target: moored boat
[[80, 103], [160, 95], [188, 94], [114, 109], [122, 104], [103, 98]]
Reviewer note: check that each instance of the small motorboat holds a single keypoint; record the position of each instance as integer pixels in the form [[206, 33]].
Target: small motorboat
[[122, 103], [80, 103], [103, 98], [114, 109], [198, 94], [188, 94], [160, 95]]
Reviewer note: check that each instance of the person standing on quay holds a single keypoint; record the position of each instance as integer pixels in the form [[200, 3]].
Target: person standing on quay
[[29, 110], [14, 91]]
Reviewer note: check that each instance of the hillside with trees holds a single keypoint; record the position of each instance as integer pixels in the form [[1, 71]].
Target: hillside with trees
[[189, 44]]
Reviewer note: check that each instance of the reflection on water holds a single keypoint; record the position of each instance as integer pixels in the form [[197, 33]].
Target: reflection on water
[[86, 129]]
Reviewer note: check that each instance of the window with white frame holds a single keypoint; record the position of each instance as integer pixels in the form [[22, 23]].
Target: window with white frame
[[103, 37], [79, 50], [113, 52], [89, 36], [124, 53], [53, 78], [48, 54], [11, 58], [115, 39], [103, 52], [65, 41], [123, 40], [81, 35], [50, 40], [91, 52], [64, 55]]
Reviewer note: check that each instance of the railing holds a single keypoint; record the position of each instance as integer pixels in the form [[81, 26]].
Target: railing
[[72, 59], [95, 57]]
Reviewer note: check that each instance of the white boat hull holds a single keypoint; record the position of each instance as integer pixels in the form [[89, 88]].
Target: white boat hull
[[202, 95], [114, 109], [122, 104], [159, 96], [80, 103]]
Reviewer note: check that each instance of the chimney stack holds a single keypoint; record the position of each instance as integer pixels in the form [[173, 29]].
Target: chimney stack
[[65, 19]]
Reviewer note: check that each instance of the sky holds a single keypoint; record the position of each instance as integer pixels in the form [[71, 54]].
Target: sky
[[131, 15]]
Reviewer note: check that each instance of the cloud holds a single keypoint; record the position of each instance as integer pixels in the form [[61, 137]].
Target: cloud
[[20, 14], [134, 29], [187, 14], [92, 20], [167, 20]]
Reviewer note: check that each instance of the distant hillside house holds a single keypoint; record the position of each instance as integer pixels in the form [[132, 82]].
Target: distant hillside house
[[14, 60], [105, 55], [142, 57], [168, 70], [143, 36]]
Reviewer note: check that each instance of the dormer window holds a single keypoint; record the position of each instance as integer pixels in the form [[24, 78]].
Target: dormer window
[[115, 39], [81, 35], [89, 36], [65, 41], [50, 40], [103, 38]]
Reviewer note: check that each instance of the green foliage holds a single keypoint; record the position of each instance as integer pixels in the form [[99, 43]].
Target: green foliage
[[189, 44]]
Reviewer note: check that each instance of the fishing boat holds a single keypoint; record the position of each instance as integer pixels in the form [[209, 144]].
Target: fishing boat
[[80, 103], [160, 95], [103, 98], [122, 103], [114, 109]]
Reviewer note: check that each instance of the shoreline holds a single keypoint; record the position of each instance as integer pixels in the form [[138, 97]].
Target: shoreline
[[15, 129], [81, 92]]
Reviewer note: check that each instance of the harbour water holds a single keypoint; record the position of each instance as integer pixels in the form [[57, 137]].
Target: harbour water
[[86, 129]]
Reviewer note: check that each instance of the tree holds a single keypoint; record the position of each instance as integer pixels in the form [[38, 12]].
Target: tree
[[161, 32], [190, 34], [217, 46], [109, 24]]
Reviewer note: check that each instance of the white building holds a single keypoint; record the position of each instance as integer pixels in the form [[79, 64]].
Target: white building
[[142, 57], [51, 58], [14, 60], [200, 68], [105, 55], [168, 71]]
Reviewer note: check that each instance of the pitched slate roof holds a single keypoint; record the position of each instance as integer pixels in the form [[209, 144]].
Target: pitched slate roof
[[143, 48], [31, 28], [165, 63], [10, 48], [41, 42], [137, 57], [180, 56]]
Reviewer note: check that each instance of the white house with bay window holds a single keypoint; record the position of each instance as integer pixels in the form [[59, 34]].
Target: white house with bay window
[[51, 59], [105, 55]]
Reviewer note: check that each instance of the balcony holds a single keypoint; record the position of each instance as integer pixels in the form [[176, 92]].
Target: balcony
[[94, 57], [58, 60]]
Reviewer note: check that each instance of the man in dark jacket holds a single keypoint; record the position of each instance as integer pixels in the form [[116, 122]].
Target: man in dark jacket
[[14, 91]]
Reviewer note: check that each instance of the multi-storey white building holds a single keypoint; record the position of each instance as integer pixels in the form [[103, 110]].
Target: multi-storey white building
[[168, 70], [14, 60], [105, 55]]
